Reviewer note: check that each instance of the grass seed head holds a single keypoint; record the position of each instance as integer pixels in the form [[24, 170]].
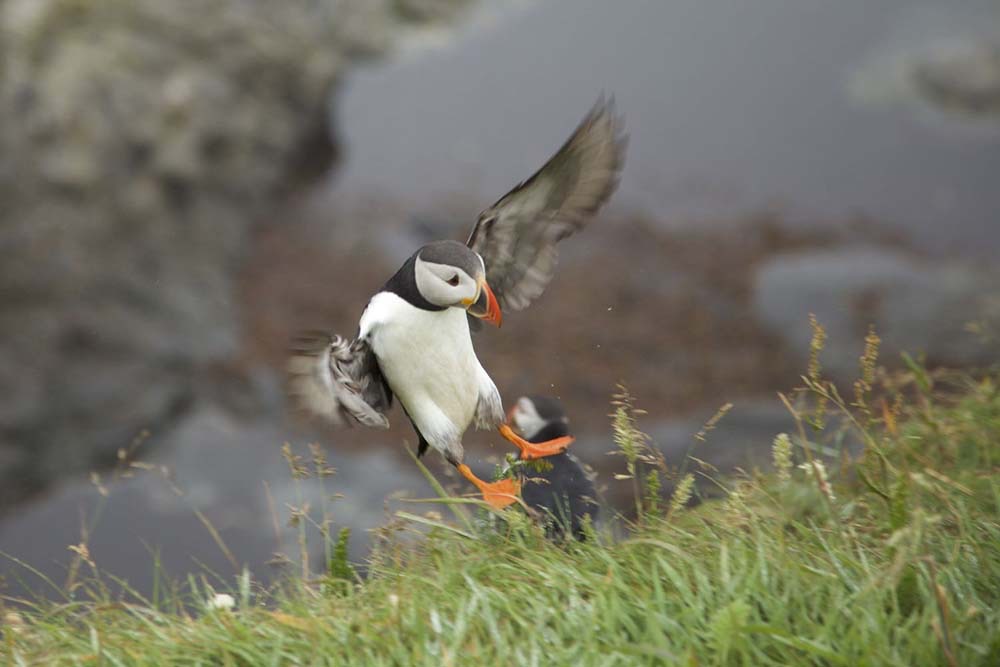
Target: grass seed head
[[295, 463], [816, 345], [781, 452], [682, 494]]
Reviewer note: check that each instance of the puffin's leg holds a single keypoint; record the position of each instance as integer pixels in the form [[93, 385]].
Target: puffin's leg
[[498, 494], [535, 450]]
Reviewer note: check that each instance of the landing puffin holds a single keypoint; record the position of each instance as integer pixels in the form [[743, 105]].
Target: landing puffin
[[414, 343], [561, 491]]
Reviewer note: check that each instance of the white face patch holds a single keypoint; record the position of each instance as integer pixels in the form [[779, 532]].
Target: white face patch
[[526, 418], [445, 285]]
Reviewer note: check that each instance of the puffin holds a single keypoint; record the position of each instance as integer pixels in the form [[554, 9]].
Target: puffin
[[560, 490], [414, 342]]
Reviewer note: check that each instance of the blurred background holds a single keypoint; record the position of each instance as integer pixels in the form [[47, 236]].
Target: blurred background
[[184, 185]]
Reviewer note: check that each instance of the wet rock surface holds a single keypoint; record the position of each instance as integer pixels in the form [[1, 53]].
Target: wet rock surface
[[963, 80], [140, 143], [738, 443], [916, 305], [211, 472]]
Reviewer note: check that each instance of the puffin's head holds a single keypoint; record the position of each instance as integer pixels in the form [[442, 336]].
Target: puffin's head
[[532, 415], [449, 274]]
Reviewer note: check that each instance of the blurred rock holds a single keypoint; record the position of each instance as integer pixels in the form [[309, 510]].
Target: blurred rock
[[964, 80], [230, 470], [943, 63], [741, 439], [916, 305], [140, 141]]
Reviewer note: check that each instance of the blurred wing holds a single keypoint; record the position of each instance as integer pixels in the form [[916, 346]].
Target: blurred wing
[[517, 236], [338, 380]]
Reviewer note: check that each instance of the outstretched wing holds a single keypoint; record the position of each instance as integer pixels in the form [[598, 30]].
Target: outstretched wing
[[517, 236], [339, 380]]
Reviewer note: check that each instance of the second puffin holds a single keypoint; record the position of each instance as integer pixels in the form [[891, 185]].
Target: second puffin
[[414, 340]]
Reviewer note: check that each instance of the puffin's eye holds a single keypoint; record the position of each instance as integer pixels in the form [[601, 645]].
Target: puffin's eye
[[453, 281]]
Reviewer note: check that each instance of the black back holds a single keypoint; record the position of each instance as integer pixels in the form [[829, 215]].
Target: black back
[[550, 431], [549, 409], [559, 487], [563, 493]]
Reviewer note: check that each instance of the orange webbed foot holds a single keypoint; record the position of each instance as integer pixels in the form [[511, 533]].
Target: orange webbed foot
[[499, 494], [536, 450]]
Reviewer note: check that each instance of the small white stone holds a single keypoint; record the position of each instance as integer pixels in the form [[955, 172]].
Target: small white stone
[[222, 601]]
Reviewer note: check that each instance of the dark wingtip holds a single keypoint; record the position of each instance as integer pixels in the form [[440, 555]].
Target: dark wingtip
[[605, 108]]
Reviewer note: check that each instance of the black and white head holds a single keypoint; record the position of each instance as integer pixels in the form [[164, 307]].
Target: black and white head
[[539, 418], [448, 274]]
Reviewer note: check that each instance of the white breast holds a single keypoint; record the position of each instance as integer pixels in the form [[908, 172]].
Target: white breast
[[430, 365]]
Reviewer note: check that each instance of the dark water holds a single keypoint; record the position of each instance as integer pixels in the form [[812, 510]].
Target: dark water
[[732, 105]]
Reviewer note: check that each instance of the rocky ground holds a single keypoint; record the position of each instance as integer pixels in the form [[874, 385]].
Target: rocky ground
[[139, 147], [688, 319], [680, 316]]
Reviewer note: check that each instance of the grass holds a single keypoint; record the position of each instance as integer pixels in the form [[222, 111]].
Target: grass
[[886, 556]]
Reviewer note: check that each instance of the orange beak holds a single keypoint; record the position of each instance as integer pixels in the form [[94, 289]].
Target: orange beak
[[486, 307]]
